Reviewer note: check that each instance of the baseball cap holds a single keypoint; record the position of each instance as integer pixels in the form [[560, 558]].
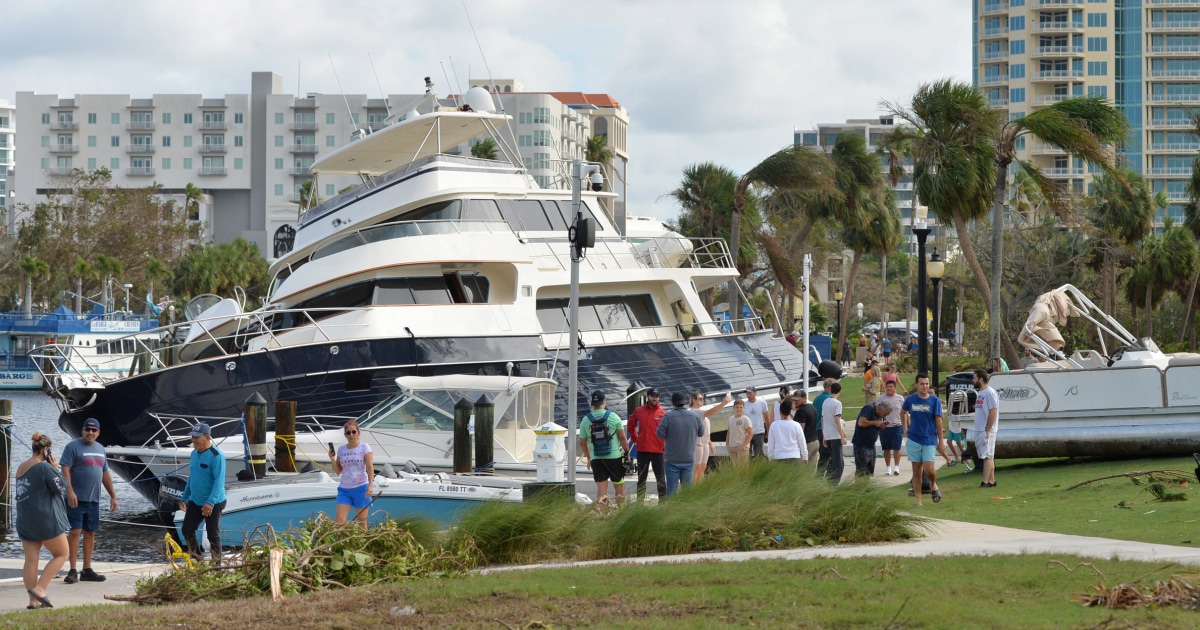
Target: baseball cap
[[201, 429], [651, 392], [751, 388], [597, 397], [91, 423], [679, 399]]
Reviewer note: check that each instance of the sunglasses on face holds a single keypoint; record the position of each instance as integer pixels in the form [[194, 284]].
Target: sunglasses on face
[[90, 430], [351, 432]]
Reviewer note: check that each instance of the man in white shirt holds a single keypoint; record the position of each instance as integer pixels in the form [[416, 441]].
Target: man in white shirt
[[756, 410], [987, 423], [833, 434]]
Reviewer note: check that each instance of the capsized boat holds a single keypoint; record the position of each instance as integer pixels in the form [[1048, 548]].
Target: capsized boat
[[1127, 399]]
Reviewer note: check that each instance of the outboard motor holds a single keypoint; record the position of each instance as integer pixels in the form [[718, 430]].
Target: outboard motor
[[829, 369], [170, 493]]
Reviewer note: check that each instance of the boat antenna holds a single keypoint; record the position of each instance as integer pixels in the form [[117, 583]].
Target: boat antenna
[[357, 132], [298, 86], [381, 92], [454, 69], [480, 47], [456, 104]]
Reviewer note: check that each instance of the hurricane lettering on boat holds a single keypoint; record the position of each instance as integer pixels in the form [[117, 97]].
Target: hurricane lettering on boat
[[456, 489], [1015, 393], [259, 497]]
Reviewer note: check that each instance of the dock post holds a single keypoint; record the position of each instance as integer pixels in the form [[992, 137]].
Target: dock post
[[256, 434], [285, 436], [6, 426], [462, 436], [485, 430]]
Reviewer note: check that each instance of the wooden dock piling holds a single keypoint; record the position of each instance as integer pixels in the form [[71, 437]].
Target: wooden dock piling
[[462, 436], [256, 434], [285, 436]]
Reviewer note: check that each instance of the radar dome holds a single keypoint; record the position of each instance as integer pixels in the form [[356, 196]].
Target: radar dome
[[412, 113], [479, 100]]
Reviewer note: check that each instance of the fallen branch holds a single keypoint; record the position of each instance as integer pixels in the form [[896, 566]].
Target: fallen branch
[[1169, 473]]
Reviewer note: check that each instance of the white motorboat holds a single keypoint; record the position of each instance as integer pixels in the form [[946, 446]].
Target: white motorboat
[[1127, 399]]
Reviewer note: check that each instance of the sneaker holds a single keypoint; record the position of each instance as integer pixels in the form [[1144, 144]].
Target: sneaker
[[72, 577], [88, 575], [896, 471]]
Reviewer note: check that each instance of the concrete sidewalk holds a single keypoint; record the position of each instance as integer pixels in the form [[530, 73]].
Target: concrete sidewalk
[[121, 579]]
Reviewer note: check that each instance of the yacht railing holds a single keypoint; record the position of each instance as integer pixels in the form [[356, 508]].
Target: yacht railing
[[174, 428], [405, 229], [651, 253]]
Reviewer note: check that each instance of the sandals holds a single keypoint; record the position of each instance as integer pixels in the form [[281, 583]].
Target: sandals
[[41, 598], [937, 496]]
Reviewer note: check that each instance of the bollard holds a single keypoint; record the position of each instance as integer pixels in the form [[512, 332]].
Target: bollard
[[256, 434], [462, 436], [285, 436], [485, 430], [6, 425]]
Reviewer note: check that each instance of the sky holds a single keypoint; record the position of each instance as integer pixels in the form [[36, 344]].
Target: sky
[[702, 80]]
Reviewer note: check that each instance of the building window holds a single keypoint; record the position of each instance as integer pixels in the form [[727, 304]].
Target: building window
[[1016, 3], [115, 163], [45, 163], [237, 141], [91, 141], [279, 164], [1097, 68], [278, 190], [279, 139], [166, 164], [46, 120], [237, 120], [330, 190], [166, 120], [1016, 23], [1016, 95], [1016, 71], [166, 141], [187, 119], [46, 141], [237, 164], [541, 115], [329, 118], [91, 119], [1016, 47], [115, 141], [541, 138], [91, 164], [1019, 143], [330, 141], [1097, 20], [187, 164], [279, 118], [1098, 91], [116, 118], [1097, 44], [187, 141]]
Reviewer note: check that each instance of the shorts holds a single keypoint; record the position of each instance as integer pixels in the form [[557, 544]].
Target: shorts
[[891, 438], [985, 444], [608, 470], [918, 453], [355, 497], [954, 436], [85, 517]]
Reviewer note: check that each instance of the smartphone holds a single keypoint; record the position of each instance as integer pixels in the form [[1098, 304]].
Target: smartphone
[[331, 449]]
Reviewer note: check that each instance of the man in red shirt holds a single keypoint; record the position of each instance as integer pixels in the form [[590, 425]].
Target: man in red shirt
[[643, 426]]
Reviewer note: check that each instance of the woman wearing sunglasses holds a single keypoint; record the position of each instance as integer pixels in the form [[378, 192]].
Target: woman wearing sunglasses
[[355, 462]]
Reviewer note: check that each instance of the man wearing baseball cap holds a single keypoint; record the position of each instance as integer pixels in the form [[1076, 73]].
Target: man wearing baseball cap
[[602, 440], [643, 428], [85, 467], [204, 496]]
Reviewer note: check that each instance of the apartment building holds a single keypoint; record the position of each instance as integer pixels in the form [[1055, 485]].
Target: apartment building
[[8, 117], [250, 153], [1143, 55]]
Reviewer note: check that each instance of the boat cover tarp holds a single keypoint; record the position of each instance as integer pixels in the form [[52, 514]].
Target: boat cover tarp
[[1050, 310]]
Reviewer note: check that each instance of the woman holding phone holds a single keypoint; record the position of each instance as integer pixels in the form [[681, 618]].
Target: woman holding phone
[[41, 518], [355, 462]]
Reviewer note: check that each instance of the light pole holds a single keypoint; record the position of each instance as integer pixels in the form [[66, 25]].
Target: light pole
[[937, 268], [582, 235], [838, 296], [127, 287], [921, 231]]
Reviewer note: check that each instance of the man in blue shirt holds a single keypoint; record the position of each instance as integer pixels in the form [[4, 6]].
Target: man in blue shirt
[[204, 496], [678, 430], [921, 416]]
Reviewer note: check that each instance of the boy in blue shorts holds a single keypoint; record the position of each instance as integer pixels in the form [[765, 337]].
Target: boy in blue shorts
[[922, 420]]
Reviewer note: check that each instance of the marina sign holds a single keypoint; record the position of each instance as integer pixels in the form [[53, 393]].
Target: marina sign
[[113, 326]]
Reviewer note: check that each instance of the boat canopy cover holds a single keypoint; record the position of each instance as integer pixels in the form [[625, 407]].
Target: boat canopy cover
[[1050, 310], [408, 141]]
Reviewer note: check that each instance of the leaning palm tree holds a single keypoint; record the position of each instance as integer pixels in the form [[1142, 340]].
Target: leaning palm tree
[[485, 149], [876, 233], [82, 271], [1123, 215], [33, 268], [1084, 127], [597, 150]]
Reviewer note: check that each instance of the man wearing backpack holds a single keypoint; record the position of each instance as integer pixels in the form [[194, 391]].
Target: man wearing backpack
[[602, 441]]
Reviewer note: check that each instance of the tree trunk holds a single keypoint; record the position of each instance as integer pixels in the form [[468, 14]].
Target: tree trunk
[[883, 296], [994, 311], [981, 283], [1189, 315], [28, 295], [1149, 311], [848, 290]]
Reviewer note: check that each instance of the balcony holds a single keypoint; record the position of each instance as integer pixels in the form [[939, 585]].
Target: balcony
[[306, 125], [1177, 25], [1057, 27], [141, 125], [995, 79], [1058, 173], [1175, 147], [212, 125], [300, 171], [140, 148], [1173, 3], [1057, 75], [63, 125], [212, 170], [995, 32], [60, 170], [303, 148], [988, 55], [1190, 74], [64, 147], [997, 102], [1049, 99], [1173, 98], [140, 171], [1058, 51], [1173, 171], [1057, 3], [1169, 122], [1047, 149], [1174, 49], [213, 147], [993, 8]]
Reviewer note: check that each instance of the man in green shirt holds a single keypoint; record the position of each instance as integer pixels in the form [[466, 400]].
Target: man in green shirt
[[602, 440]]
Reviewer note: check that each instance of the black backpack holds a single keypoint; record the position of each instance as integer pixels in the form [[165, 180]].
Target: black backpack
[[600, 435]]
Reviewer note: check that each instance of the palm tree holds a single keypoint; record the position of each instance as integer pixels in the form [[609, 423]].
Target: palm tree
[[793, 168], [1191, 221], [305, 196], [81, 271], [155, 269], [192, 194], [33, 268], [485, 149], [1084, 127], [107, 267], [952, 132], [1123, 215], [1162, 260]]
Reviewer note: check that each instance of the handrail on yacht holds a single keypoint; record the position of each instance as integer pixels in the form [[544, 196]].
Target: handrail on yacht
[[404, 229], [650, 253]]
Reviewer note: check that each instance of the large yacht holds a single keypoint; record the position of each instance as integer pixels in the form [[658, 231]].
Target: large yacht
[[440, 264]]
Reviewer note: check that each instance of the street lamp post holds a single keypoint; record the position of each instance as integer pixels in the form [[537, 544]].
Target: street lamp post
[[838, 296], [921, 231], [937, 269]]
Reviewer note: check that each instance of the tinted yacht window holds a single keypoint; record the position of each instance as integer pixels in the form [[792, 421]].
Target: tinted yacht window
[[613, 312], [481, 210], [530, 216]]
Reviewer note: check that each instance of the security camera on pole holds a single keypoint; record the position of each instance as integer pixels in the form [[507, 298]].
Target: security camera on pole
[[582, 235]]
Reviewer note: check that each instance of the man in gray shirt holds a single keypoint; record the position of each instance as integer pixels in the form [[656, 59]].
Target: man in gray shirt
[[678, 430]]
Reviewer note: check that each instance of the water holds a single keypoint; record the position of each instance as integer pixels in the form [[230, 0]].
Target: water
[[137, 538]]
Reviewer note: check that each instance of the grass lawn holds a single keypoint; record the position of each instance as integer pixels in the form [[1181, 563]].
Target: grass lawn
[[958, 592], [1031, 494]]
